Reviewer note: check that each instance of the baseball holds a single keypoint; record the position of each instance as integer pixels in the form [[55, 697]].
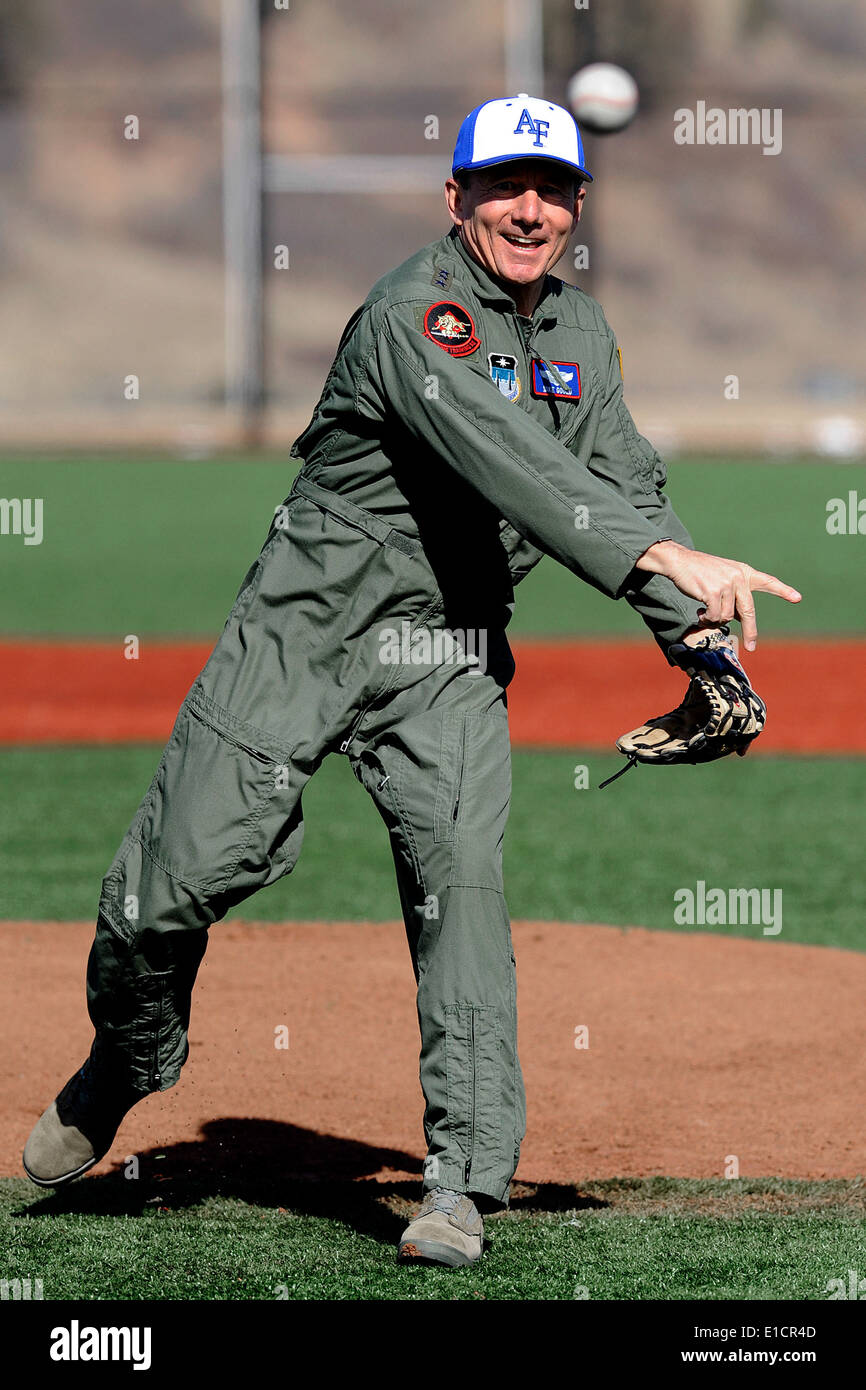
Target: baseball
[[603, 97]]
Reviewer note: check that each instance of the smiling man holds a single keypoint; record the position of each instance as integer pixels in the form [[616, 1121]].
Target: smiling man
[[516, 219], [471, 422]]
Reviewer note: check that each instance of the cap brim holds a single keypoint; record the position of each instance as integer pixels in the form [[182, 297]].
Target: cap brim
[[520, 159]]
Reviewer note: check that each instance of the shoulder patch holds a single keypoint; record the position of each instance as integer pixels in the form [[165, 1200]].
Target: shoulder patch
[[441, 278], [451, 326], [619, 358]]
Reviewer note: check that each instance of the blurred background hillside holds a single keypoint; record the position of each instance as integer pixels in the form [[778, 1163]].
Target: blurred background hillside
[[709, 261]]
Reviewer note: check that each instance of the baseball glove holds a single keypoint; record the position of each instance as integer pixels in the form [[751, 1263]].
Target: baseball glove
[[721, 713]]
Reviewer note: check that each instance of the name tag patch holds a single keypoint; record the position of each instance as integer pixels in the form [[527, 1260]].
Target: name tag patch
[[564, 385]]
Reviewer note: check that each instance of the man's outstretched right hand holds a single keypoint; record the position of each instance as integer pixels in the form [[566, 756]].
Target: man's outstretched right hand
[[724, 587]]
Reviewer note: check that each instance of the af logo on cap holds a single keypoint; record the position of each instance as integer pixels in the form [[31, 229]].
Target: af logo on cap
[[451, 326], [537, 127]]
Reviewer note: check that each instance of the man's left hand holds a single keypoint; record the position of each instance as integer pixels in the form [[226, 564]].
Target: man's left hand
[[721, 713]]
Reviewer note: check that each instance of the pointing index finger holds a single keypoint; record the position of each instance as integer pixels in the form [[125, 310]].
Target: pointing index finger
[[769, 584]]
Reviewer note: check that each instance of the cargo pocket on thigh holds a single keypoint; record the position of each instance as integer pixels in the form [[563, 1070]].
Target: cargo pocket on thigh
[[451, 754], [478, 789], [211, 793], [473, 1084]]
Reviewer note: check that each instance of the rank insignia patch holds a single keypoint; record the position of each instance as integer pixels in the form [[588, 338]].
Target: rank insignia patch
[[565, 385], [451, 326], [503, 373]]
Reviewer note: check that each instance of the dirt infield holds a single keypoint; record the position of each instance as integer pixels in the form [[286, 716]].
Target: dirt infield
[[564, 693], [700, 1048]]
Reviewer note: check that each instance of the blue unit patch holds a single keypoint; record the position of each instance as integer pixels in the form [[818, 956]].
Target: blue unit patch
[[503, 373], [563, 381]]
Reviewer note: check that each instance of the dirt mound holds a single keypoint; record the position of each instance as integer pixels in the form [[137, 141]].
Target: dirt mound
[[700, 1048]]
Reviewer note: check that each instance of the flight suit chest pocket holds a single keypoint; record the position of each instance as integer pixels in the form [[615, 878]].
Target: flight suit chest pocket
[[569, 415]]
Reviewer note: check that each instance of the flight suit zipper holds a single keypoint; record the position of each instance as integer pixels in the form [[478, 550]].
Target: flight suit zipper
[[527, 330], [524, 333], [155, 1076], [459, 781], [347, 741], [471, 1095]]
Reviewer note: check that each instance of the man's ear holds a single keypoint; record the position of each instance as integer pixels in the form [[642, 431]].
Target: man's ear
[[578, 204], [454, 201]]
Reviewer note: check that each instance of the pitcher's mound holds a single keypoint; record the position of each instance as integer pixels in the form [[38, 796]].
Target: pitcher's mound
[[643, 1053]]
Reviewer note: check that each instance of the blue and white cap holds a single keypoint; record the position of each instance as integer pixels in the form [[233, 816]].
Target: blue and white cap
[[521, 127]]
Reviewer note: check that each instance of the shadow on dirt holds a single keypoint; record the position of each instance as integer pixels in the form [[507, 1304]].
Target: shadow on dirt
[[283, 1166]]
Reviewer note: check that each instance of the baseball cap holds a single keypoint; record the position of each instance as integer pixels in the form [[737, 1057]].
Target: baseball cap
[[521, 127]]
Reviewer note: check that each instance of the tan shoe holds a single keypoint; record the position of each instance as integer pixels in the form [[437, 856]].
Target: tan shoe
[[76, 1130], [447, 1230]]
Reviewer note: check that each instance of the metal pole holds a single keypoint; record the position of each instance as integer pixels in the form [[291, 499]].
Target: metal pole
[[357, 173], [242, 213], [524, 48]]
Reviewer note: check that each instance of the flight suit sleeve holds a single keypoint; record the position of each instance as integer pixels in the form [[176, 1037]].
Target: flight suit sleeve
[[627, 462], [534, 482]]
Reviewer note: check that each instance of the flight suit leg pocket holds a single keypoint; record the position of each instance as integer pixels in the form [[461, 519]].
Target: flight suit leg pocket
[[218, 777], [472, 1071], [451, 753], [474, 795]]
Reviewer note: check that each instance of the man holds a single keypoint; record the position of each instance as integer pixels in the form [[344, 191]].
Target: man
[[471, 421]]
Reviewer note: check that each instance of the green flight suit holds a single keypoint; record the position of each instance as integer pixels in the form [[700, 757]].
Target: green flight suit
[[454, 443]]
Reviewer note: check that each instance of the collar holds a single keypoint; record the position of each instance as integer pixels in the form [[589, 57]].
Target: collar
[[487, 288]]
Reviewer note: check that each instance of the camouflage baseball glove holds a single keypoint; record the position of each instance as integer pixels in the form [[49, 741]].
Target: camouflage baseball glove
[[721, 713]]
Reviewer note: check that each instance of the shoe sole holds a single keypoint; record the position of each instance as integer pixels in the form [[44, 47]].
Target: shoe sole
[[61, 1181], [435, 1252]]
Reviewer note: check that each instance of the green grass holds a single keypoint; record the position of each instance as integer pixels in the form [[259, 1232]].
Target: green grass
[[159, 546], [574, 856], [156, 546], [194, 1238], [771, 514], [148, 545]]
